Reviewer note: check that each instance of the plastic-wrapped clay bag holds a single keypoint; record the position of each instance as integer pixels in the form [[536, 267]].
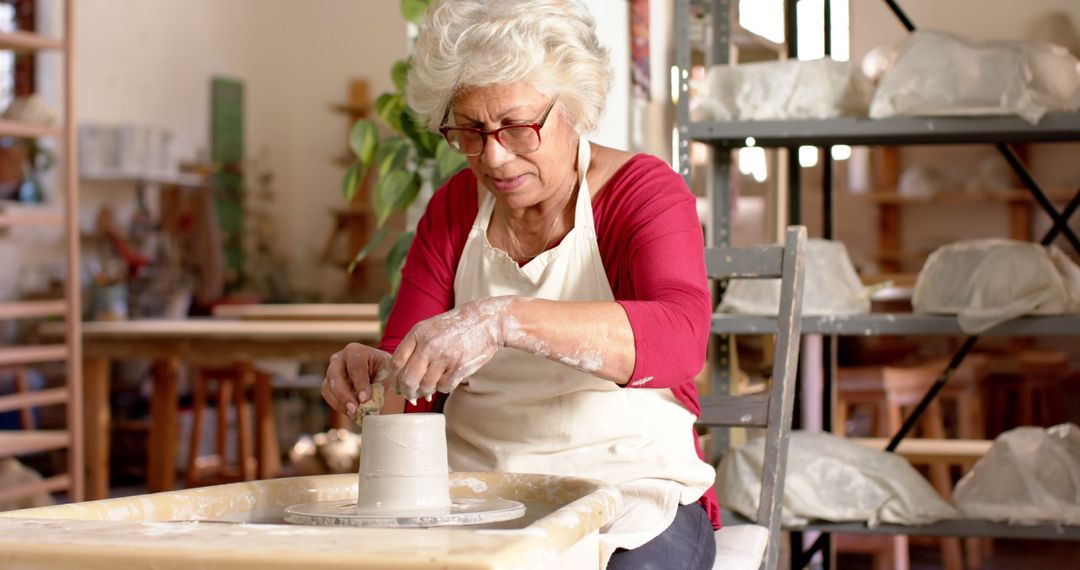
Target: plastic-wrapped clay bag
[[989, 281], [831, 288], [834, 479], [788, 89], [1030, 475], [935, 73]]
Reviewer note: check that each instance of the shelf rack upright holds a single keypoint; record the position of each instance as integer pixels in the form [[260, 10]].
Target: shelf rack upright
[[726, 136], [14, 443]]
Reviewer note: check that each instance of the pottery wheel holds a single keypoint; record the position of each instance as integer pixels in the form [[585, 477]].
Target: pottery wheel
[[463, 511]]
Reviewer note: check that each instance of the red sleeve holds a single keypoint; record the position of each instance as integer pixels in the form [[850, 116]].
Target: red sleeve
[[651, 239], [654, 255], [427, 278]]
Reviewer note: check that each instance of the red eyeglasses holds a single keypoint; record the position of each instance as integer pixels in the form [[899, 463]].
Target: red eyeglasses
[[518, 139]]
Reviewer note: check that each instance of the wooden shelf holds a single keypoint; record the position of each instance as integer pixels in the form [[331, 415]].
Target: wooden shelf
[[47, 397], [182, 180], [50, 485], [20, 129], [345, 160], [27, 42], [347, 109], [965, 197], [33, 354], [16, 443], [300, 311], [33, 309], [921, 451]]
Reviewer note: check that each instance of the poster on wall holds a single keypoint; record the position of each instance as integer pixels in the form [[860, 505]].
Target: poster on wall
[[639, 48], [227, 152]]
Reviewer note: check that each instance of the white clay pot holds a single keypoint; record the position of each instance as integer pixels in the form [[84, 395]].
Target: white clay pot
[[403, 467]]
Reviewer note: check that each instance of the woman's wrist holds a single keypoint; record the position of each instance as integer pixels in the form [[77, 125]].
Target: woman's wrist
[[515, 324]]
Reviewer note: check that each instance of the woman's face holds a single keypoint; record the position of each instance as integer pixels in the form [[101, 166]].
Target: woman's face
[[525, 180]]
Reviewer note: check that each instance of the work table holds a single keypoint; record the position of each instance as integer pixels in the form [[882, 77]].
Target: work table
[[163, 529]]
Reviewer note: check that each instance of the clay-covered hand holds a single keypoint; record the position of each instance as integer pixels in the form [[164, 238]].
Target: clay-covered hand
[[349, 376], [440, 352]]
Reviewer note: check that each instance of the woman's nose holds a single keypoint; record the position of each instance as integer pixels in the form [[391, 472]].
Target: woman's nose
[[494, 153]]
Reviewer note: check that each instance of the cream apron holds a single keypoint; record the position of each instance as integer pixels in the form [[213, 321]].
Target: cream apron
[[527, 414]]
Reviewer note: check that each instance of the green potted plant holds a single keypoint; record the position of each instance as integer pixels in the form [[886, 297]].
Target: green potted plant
[[411, 162]]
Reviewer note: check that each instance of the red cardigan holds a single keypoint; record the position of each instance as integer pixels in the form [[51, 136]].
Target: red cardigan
[[653, 253]]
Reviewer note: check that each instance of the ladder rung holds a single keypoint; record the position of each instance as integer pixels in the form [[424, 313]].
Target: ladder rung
[[33, 354], [17, 442], [27, 130], [33, 309], [21, 41], [13, 218], [47, 397], [50, 485]]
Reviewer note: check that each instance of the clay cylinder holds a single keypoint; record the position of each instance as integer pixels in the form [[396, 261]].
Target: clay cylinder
[[403, 467]]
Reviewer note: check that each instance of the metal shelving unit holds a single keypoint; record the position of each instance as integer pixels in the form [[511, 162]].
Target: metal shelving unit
[[790, 134], [899, 324], [15, 443], [955, 527], [1054, 127]]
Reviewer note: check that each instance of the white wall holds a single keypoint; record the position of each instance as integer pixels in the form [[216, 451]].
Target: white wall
[[151, 62], [613, 27], [873, 24]]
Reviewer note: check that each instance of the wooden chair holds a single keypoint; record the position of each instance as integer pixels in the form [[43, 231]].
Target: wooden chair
[[231, 385], [754, 546]]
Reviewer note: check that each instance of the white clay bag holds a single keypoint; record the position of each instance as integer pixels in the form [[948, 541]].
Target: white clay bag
[[1030, 475], [989, 281], [835, 479], [831, 287], [936, 73], [788, 89]]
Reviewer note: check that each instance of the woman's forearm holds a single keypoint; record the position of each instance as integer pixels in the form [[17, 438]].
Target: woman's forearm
[[591, 336]]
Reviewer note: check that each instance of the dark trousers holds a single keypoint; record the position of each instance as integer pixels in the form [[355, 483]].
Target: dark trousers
[[687, 544]]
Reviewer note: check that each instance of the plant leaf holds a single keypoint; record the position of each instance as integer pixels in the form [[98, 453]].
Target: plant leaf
[[413, 10], [386, 304], [394, 192], [393, 154], [395, 259], [425, 140], [390, 107], [363, 140], [352, 180], [376, 239], [447, 164], [399, 73]]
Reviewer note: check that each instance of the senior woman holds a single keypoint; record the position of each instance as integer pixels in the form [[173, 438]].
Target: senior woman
[[555, 295]]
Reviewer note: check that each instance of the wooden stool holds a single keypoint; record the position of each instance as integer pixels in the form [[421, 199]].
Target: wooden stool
[[232, 384], [1041, 397], [889, 391]]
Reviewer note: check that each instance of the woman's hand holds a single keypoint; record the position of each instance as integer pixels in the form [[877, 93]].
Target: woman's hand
[[440, 352], [350, 374]]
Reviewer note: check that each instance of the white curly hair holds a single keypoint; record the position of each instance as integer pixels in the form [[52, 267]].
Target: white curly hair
[[550, 44]]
